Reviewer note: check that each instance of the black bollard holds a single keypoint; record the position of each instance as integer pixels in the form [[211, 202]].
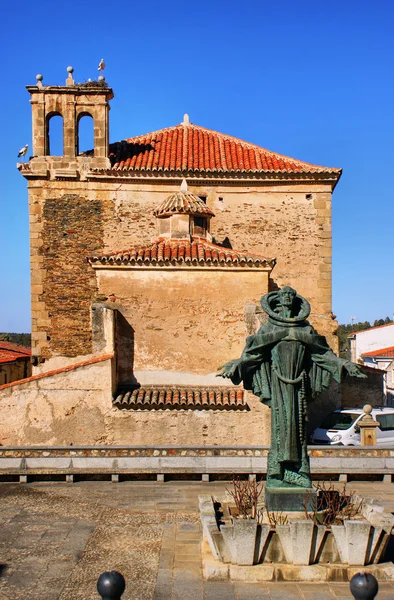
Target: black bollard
[[364, 586], [111, 585]]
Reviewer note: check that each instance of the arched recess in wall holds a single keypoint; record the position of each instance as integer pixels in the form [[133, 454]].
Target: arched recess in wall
[[54, 143], [85, 135]]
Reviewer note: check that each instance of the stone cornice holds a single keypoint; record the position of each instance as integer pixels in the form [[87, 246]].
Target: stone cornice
[[195, 177], [238, 178], [184, 267]]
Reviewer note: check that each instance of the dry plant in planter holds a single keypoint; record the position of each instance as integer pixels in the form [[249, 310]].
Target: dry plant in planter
[[246, 494], [332, 506], [276, 518]]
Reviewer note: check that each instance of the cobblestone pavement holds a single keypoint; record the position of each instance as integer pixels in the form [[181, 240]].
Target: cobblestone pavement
[[56, 539]]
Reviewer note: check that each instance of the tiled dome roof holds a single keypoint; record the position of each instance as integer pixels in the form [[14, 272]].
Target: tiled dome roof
[[182, 202]]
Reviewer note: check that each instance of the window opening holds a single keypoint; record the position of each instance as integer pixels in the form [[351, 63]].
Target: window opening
[[386, 422], [85, 135], [199, 226], [203, 198], [54, 138]]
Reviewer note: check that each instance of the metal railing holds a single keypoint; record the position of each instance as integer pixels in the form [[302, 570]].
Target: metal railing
[[111, 585]]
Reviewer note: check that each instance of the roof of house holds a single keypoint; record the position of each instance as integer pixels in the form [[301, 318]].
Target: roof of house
[[198, 252], [182, 202], [189, 147], [166, 397], [10, 352], [383, 352], [354, 333]]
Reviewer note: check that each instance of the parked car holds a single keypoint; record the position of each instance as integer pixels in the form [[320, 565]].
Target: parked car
[[341, 427]]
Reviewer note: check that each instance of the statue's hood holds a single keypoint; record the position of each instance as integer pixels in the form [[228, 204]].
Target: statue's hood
[[271, 305]]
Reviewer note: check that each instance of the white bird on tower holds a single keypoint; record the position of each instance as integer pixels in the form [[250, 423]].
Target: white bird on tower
[[23, 151], [101, 66]]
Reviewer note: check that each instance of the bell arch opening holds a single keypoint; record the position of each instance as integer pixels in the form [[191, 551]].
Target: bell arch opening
[[85, 135], [54, 139]]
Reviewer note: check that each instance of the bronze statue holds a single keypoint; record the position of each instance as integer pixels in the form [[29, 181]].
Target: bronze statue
[[286, 363]]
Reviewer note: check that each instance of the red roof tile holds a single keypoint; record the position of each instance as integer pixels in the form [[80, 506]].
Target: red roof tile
[[166, 397], [188, 147], [10, 352], [383, 352], [182, 203], [197, 253], [14, 347]]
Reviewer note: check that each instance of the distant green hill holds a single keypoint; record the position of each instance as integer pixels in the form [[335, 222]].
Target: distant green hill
[[20, 339]]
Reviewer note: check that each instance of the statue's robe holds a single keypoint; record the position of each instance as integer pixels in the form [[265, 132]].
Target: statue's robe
[[285, 363]]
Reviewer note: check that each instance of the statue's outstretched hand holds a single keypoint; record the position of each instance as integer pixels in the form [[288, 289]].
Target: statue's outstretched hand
[[228, 370], [354, 370]]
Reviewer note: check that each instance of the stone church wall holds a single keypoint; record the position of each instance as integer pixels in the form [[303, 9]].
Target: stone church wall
[[73, 219], [74, 406], [186, 319]]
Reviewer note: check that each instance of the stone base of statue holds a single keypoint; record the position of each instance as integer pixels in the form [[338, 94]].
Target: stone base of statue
[[290, 499]]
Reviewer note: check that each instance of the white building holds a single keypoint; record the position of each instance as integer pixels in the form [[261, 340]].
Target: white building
[[384, 360], [370, 340], [374, 348]]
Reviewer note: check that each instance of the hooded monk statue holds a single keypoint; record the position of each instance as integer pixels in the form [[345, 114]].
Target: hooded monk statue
[[286, 363]]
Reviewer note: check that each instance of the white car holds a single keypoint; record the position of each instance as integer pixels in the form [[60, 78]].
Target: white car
[[340, 427]]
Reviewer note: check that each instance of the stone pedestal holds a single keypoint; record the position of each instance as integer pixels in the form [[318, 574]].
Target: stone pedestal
[[368, 425], [290, 499]]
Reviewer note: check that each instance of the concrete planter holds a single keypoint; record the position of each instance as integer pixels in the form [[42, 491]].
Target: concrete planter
[[245, 542]]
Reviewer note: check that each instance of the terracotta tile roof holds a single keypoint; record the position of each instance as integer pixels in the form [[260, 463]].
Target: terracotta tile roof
[[14, 347], [182, 203], [195, 398], [198, 252], [188, 147], [10, 352], [384, 352]]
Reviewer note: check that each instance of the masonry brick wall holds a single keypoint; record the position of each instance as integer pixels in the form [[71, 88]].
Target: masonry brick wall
[[73, 228], [291, 222]]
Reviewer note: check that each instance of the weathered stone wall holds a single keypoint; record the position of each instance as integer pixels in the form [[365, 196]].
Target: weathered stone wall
[[289, 222], [75, 407], [358, 392], [186, 319], [70, 220], [64, 230], [68, 405]]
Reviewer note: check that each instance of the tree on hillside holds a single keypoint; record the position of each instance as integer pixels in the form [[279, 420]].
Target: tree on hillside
[[20, 339]]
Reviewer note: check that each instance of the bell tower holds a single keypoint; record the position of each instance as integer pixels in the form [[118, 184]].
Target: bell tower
[[71, 102]]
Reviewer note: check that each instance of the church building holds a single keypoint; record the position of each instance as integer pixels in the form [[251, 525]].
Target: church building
[[149, 257]]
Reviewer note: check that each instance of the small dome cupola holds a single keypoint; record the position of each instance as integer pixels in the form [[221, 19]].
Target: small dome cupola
[[183, 215]]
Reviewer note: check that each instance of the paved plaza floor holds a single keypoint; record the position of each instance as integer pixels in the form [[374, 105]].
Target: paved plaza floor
[[56, 539]]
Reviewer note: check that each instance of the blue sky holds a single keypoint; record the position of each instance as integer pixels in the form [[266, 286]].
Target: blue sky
[[313, 80]]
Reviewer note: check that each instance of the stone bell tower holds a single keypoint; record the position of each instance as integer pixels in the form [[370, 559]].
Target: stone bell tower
[[66, 216], [71, 102]]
